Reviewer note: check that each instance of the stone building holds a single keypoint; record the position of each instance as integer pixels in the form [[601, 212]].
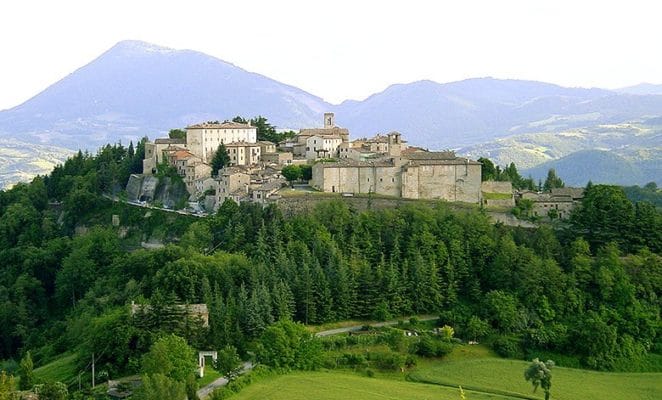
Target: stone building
[[243, 153], [318, 146], [195, 311], [233, 183], [301, 147], [204, 139], [156, 152], [279, 158], [417, 175], [497, 194], [266, 146], [558, 203]]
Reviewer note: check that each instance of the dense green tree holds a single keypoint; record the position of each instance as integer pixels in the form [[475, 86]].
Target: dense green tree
[[220, 160], [605, 215], [52, 391], [228, 363], [539, 374], [159, 387], [488, 171], [172, 357], [291, 173], [552, 181], [288, 344], [476, 328], [306, 172], [26, 373]]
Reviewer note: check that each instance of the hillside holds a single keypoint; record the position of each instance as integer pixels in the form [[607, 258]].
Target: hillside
[[21, 161], [636, 150], [596, 166], [642, 89]]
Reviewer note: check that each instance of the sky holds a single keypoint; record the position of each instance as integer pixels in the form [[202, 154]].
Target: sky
[[341, 49]]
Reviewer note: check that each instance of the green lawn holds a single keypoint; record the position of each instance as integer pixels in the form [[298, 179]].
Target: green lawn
[[343, 386], [63, 369], [477, 369], [210, 374]]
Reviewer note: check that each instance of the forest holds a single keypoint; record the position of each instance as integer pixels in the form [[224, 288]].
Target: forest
[[589, 290]]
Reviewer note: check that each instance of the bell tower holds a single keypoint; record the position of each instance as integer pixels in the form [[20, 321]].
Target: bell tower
[[329, 120]]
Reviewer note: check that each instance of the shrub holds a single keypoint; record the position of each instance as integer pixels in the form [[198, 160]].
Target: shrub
[[508, 346], [428, 346], [387, 360]]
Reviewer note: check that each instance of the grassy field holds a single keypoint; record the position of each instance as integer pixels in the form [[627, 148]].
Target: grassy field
[[342, 386], [63, 369], [210, 375], [477, 369]]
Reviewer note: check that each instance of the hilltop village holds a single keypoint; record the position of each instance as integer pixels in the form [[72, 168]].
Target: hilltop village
[[381, 165]]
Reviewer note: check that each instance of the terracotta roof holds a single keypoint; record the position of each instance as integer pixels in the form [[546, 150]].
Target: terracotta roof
[[224, 125], [182, 154]]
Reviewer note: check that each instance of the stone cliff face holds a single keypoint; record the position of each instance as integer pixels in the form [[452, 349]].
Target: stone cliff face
[[166, 191]]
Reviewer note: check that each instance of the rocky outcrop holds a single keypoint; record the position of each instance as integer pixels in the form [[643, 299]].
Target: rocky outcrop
[[152, 189]]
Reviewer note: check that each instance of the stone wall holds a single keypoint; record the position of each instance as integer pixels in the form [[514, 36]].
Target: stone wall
[[496, 187], [452, 182]]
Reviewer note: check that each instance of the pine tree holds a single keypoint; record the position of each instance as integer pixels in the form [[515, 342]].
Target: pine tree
[[552, 181], [26, 373], [221, 159]]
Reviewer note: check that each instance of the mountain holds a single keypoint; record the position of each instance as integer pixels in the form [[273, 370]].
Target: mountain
[[642, 89], [137, 89], [472, 111], [597, 166]]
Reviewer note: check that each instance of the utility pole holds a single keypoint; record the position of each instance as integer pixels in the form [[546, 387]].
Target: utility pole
[[92, 370]]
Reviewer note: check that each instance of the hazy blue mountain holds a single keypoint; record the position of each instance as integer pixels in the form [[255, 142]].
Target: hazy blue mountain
[[597, 166], [136, 89], [642, 89], [471, 111]]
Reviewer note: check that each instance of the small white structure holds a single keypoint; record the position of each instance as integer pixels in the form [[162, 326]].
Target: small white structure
[[201, 360]]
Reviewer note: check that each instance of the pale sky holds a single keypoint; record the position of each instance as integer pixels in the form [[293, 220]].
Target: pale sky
[[339, 49]]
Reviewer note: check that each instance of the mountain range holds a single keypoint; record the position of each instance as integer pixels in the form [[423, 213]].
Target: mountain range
[[139, 89]]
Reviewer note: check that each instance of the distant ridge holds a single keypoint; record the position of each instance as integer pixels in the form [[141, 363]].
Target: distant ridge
[[597, 166], [138, 89], [642, 89]]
